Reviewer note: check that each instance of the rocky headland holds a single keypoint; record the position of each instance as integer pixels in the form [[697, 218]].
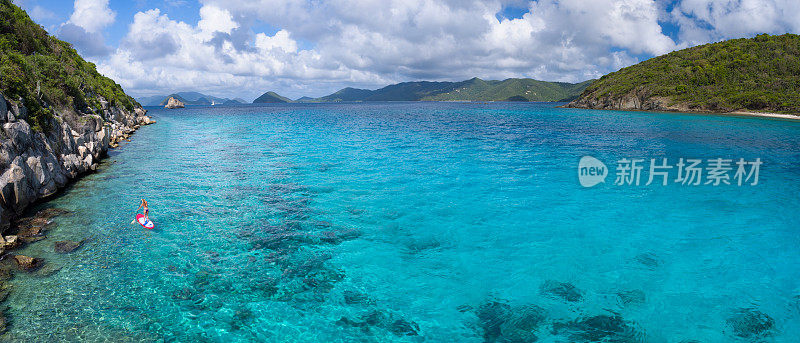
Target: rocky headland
[[752, 76]]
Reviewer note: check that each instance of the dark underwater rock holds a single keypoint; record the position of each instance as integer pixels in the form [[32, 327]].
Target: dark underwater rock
[[241, 318], [284, 240], [631, 297], [267, 285], [522, 324], [600, 328], [500, 322], [5, 273], [5, 291], [48, 270], [32, 229], [398, 326], [649, 260], [353, 297], [344, 321], [339, 236], [183, 294], [401, 327], [51, 212], [38, 223], [491, 317], [464, 308], [563, 290], [65, 247], [750, 323], [421, 245]]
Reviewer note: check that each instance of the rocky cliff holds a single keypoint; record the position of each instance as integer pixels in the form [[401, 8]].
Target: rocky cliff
[[634, 101], [36, 165]]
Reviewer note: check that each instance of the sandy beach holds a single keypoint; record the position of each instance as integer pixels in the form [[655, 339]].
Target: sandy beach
[[765, 114]]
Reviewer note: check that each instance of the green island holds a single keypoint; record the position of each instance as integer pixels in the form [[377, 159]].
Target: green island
[[760, 74], [271, 97]]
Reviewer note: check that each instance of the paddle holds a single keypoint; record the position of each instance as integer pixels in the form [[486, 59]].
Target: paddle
[[133, 221]]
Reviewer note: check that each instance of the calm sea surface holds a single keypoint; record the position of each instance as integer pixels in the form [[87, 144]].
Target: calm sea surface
[[415, 222]]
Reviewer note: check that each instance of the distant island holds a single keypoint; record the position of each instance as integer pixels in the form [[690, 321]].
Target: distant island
[[174, 103], [189, 98], [473, 89], [271, 97], [760, 74]]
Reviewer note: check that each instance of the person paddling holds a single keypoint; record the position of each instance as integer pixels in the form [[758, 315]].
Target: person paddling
[[143, 205]]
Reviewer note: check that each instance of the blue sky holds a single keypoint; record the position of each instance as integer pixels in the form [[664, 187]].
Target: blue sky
[[315, 47]]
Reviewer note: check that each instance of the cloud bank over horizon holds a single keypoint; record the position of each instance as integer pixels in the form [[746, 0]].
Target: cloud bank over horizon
[[305, 47]]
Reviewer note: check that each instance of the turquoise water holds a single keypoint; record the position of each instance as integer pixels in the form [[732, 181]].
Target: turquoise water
[[418, 222]]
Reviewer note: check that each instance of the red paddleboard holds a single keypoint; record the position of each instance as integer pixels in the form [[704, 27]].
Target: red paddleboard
[[147, 224]]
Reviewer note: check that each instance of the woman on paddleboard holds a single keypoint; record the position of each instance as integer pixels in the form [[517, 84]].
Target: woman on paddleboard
[[146, 210]]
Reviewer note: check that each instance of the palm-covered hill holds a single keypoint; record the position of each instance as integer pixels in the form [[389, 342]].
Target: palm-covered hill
[[47, 73], [755, 74]]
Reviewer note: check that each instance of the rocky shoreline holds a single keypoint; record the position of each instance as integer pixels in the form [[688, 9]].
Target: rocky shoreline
[[633, 102], [37, 164]]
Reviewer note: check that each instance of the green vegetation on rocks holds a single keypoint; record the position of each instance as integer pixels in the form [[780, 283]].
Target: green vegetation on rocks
[[47, 73], [755, 74]]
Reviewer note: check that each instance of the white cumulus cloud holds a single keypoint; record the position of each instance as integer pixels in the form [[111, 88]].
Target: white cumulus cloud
[[703, 21], [92, 15], [318, 46]]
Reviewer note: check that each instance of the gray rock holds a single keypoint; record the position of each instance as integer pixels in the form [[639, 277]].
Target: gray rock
[[16, 191], [13, 111], [104, 137], [96, 123], [20, 134], [22, 111], [173, 103], [39, 174]]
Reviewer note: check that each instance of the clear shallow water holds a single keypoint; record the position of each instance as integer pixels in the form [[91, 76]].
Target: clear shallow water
[[371, 222]]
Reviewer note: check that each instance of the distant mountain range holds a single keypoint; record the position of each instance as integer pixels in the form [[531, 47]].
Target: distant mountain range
[[473, 89], [189, 98]]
